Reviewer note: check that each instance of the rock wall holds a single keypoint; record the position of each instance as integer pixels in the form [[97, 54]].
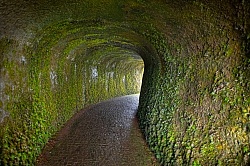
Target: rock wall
[[59, 56]]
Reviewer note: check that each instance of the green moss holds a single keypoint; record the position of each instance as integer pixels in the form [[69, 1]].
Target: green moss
[[194, 102], [60, 82]]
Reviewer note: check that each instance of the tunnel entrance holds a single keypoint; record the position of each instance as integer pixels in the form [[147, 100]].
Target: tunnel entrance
[[57, 57], [68, 66], [113, 70]]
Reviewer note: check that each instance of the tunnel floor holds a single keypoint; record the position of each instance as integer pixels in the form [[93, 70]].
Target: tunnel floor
[[105, 134]]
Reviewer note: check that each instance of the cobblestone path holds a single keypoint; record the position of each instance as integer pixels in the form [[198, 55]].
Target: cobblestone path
[[105, 134]]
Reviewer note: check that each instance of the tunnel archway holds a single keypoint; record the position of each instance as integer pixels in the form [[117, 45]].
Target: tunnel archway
[[194, 102], [72, 64], [96, 40]]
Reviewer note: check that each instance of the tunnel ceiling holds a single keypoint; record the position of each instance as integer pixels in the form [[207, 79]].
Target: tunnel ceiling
[[74, 19], [71, 37]]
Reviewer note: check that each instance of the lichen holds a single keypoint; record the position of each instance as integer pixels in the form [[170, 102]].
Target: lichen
[[57, 57]]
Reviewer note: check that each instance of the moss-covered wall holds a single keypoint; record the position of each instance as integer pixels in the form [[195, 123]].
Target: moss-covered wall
[[58, 56], [64, 68]]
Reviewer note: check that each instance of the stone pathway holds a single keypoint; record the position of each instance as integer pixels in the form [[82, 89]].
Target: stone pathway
[[105, 134]]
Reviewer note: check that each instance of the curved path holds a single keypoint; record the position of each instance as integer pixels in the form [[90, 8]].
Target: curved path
[[104, 134]]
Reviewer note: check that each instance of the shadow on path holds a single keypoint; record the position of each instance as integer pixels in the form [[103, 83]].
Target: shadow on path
[[104, 134]]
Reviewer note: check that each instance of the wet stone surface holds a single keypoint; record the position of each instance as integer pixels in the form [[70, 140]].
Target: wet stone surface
[[104, 134]]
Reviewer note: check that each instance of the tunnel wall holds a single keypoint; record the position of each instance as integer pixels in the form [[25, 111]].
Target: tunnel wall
[[197, 113], [194, 103], [48, 79]]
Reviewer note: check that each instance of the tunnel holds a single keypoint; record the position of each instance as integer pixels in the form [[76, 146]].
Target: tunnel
[[189, 60]]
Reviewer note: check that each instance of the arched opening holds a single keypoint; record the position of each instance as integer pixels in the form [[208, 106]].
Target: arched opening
[[72, 64], [196, 75]]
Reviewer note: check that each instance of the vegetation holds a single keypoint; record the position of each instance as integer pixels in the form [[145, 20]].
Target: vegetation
[[195, 96]]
